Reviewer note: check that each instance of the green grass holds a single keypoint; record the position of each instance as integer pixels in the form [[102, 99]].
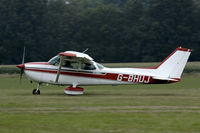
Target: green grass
[[9, 69], [167, 108]]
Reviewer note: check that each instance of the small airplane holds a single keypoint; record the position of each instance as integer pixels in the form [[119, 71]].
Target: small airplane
[[76, 68]]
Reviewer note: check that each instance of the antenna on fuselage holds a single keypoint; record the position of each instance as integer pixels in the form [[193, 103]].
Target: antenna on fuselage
[[85, 50]]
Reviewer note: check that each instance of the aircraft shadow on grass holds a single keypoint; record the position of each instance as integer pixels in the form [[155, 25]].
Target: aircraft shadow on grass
[[92, 94]]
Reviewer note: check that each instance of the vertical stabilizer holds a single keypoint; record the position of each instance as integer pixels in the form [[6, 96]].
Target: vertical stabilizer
[[173, 65]]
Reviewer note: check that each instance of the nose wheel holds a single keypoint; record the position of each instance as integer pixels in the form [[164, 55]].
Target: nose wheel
[[37, 91]]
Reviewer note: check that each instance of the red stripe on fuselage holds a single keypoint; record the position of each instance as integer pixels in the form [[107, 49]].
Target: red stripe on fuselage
[[108, 76]]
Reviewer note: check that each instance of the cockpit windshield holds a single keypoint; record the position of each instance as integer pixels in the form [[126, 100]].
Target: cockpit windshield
[[54, 61]]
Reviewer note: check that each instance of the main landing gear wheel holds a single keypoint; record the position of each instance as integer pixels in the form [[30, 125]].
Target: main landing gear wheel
[[74, 91], [36, 92]]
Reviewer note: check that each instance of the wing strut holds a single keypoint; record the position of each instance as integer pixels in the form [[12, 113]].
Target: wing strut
[[59, 68]]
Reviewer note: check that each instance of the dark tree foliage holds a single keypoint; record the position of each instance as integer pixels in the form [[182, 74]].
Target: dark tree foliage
[[170, 23], [21, 25], [116, 2], [113, 30]]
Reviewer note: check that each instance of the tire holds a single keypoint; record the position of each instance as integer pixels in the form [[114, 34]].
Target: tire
[[36, 93]]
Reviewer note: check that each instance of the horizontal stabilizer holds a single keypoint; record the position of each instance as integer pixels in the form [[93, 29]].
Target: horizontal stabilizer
[[164, 78]]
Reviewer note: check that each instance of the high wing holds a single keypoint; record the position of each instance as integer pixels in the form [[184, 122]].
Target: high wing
[[72, 55], [77, 56]]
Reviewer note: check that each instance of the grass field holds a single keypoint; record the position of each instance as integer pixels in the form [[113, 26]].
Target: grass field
[[167, 108]]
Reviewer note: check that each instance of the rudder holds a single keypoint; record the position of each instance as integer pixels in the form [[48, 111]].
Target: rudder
[[173, 65]]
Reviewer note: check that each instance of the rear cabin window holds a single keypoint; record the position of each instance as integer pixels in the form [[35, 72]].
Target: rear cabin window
[[100, 66]]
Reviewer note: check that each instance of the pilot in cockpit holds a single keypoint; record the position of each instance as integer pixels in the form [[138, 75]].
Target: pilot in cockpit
[[89, 66], [67, 64]]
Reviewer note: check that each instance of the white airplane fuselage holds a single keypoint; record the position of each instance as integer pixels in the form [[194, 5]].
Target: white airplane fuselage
[[74, 68], [46, 73]]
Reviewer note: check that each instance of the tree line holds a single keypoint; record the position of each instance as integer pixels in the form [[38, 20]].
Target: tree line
[[113, 30]]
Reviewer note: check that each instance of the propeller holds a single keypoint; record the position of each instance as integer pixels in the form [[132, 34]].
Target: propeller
[[22, 66]]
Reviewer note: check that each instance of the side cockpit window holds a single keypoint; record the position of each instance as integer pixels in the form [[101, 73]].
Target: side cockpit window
[[78, 65], [71, 64]]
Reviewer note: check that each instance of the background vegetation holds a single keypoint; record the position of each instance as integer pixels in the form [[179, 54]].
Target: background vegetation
[[113, 30]]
